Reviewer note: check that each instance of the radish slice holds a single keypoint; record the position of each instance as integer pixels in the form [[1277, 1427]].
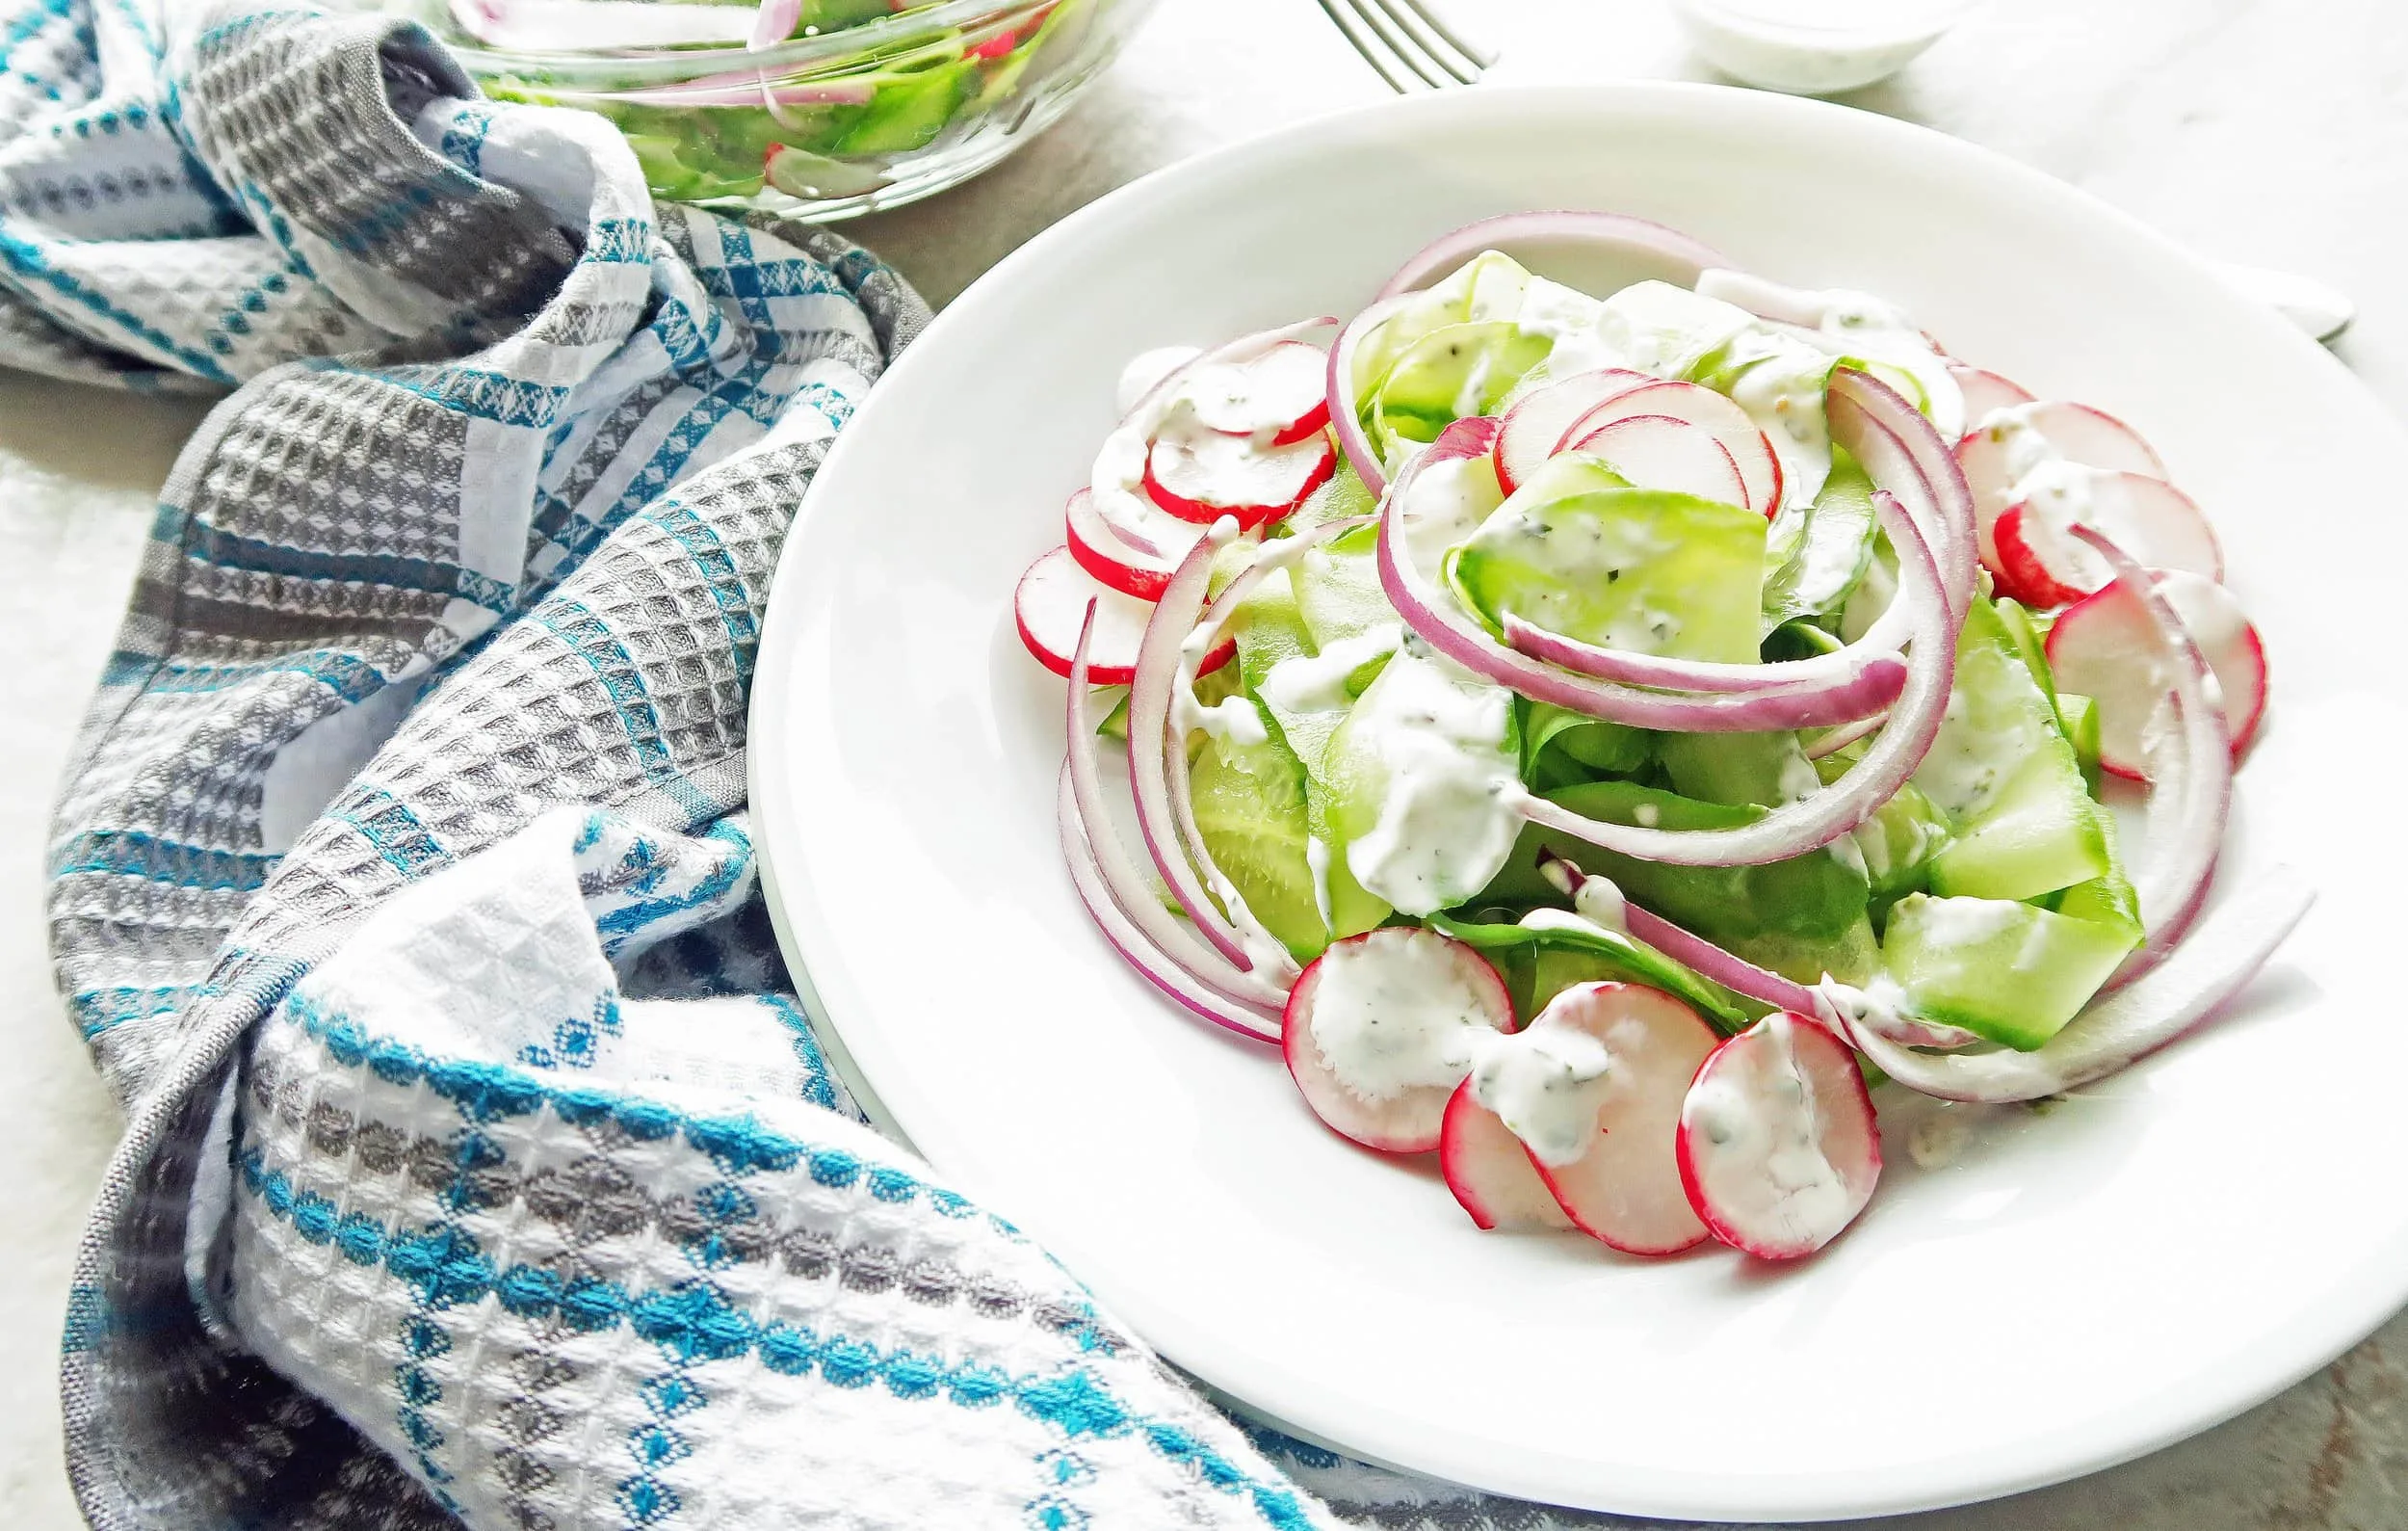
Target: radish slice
[[1623, 1187], [1277, 398], [1778, 1146], [1051, 605], [1382, 1026], [1986, 391], [1203, 477], [1114, 557], [2107, 649], [2157, 523], [2000, 454], [1533, 429], [1759, 470], [1657, 451], [1491, 1175]]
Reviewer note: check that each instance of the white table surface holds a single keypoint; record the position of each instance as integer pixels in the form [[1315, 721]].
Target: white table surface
[[2269, 131]]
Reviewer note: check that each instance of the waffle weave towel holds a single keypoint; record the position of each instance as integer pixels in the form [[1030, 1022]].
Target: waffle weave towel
[[479, 1164]]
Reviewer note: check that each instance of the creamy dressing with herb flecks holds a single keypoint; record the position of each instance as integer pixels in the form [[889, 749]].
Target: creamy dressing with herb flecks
[[1317, 683], [1395, 1011], [1446, 503], [1779, 1125], [1449, 807], [1546, 1083]]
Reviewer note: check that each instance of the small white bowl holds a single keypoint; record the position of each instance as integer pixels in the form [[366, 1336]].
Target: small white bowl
[[1815, 47]]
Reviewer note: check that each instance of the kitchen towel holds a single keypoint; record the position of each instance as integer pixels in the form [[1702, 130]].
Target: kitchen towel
[[479, 1164]]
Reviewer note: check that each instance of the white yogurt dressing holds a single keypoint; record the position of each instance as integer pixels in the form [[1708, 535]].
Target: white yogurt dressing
[[1448, 810], [1779, 1125], [1148, 368], [1317, 683], [1546, 1084], [1393, 1013], [1815, 47], [1447, 503]]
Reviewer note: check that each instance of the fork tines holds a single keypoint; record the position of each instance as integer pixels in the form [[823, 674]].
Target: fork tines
[[1411, 45]]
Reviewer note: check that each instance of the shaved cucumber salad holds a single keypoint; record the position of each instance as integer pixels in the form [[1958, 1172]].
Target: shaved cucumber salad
[[1595, 735]]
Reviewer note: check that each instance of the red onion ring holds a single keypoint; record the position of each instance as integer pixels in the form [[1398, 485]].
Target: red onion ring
[[1345, 422], [2115, 1030], [1841, 668], [2190, 785], [1815, 821], [1733, 971], [1126, 885], [1846, 734], [1439, 621], [1896, 446], [1617, 231], [1157, 967]]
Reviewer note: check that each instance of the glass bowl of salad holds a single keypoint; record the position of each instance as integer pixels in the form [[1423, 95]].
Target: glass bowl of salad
[[820, 109]]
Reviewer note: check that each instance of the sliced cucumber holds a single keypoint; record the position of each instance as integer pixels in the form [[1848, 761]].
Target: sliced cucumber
[[1764, 769], [1819, 551], [2024, 632], [1449, 375], [1270, 631], [2039, 834], [2005, 773], [1571, 747], [2079, 716], [2012, 973], [1640, 570], [1250, 810]]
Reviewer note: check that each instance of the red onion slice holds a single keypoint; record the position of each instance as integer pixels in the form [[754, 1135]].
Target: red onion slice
[[1617, 232], [1157, 967], [1841, 667], [2190, 776], [1116, 481], [1731, 971], [1435, 616], [1897, 448], [2117, 1029], [1815, 821], [1346, 420], [1126, 885]]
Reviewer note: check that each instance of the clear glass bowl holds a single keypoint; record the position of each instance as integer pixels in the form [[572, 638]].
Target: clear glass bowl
[[850, 115]]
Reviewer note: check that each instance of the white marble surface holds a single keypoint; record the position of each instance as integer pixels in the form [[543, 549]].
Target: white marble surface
[[2272, 131]]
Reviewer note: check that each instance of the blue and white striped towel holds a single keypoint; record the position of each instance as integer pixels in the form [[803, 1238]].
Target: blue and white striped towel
[[478, 1165]]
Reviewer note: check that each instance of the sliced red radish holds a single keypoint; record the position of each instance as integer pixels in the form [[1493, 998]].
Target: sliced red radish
[[1205, 475], [2157, 523], [1276, 398], [1531, 431], [1491, 1175], [1778, 1146], [1657, 451], [1050, 606], [1759, 470], [2105, 648], [1985, 391], [1115, 558], [2000, 454], [1623, 1188], [1382, 1026]]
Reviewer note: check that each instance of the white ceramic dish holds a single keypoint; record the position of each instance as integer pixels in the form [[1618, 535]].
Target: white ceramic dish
[[2083, 1286]]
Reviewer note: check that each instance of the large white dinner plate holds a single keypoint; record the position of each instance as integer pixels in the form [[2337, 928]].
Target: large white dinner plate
[[2083, 1286]]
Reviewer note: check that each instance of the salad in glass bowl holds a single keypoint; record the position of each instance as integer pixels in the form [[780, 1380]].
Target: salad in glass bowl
[[818, 108], [1594, 735]]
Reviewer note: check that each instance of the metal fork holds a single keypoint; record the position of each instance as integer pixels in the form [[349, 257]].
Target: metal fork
[[1411, 45]]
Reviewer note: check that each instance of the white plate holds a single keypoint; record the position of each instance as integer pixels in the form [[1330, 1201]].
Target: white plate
[[2166, 1251]]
